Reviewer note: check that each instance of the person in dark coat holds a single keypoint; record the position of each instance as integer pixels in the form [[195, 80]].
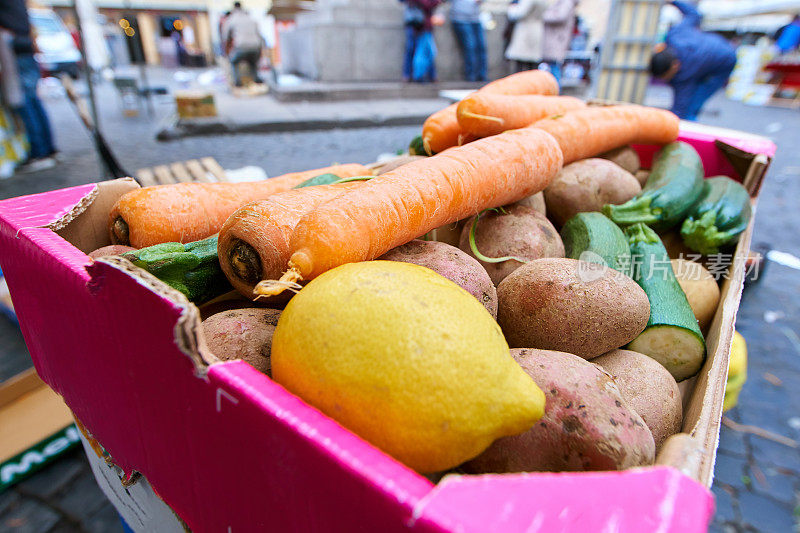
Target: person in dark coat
[[14, 18], [695, 63]]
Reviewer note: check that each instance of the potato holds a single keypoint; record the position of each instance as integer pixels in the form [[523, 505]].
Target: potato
[[448, 234], [626, 158], [535, 201], [520, 231], [588, 185], [572, 306], [113, 249], [674, 244], [451, 263], [701, 289], [586, 424], [244, 334], [648, 388], [642, 176]]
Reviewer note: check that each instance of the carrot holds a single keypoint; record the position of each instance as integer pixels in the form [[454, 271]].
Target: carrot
[[441, 130], [254, 241], [592, 131], [405, 203], [482, 113], [187, 212]]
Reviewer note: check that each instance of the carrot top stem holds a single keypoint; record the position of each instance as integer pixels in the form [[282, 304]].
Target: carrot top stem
[[245, 262], [483, 117], [273, 287], [121, 231], [474, 246]]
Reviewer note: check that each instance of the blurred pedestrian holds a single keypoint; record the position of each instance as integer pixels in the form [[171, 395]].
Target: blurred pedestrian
[[14, 19], [788, 37], [559, 25], [465, 16], [419, 59], [243, 42], [526, 46], [695, 63]]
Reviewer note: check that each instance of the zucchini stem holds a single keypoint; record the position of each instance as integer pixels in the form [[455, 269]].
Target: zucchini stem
[[633, 211], [703, 236]]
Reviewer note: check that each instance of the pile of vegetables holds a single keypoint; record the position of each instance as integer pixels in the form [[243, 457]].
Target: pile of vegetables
[[532, 204]]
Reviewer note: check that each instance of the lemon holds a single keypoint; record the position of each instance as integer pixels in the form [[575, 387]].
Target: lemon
[[406, 359]]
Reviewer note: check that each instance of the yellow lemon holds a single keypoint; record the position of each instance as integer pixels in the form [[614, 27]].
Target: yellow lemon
[[406, 359]]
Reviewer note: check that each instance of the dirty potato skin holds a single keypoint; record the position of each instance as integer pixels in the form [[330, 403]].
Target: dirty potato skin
[[519, 232], [451, 263], [625, 157], [587, 185], [112, 249], [648, 388], [536, 201], [244, 334], [587, 425], [572, 306]]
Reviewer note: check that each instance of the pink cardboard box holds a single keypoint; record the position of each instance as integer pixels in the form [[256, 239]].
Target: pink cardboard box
[[230, 450]]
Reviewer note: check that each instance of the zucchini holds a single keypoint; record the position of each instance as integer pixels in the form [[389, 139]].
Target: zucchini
[[594, 238], [722, 213], [191, 268], [672, 190], [672, 336], [416, 146], [322, 179]]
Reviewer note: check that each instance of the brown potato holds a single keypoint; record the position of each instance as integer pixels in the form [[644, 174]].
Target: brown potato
[[448, 234], [244, 334], [536, 201], [642, 176], [626, 158], [520, 231], [701, 289], [586, 424], [648, 388], [113, 249], [451, 263], [571, 306], [588, 185]]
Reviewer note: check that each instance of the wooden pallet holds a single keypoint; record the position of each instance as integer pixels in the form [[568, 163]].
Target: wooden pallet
[[205, 170]]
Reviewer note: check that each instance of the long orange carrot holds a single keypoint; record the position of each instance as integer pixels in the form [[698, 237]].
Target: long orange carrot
[[405, 203], [592, 131], [254, 242], [187, 212], [483, 113], [441, 130]]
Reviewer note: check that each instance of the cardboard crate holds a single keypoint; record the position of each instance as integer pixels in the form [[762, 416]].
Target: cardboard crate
[[228, 449]]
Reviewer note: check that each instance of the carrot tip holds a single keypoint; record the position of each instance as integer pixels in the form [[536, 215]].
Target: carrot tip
[[273, 287], [483, 117]]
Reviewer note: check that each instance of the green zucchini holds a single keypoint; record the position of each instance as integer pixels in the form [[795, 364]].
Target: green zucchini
[[322, 179], [672, 336], [672, 190], [594, 238], [191, 268], [722, 213], [416, 147]]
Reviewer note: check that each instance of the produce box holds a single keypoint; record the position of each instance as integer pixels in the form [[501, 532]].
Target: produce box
[[195, 104], [228, 449]]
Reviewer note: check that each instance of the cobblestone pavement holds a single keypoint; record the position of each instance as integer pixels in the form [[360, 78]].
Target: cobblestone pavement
[[757, 480]]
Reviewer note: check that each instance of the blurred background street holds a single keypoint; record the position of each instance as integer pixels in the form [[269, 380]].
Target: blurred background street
[[310, 115]]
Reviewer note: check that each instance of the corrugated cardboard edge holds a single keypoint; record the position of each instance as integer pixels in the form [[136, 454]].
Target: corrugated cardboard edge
[[188, 331]]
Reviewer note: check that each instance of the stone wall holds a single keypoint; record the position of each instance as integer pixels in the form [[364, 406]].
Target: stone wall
[[363, 40]]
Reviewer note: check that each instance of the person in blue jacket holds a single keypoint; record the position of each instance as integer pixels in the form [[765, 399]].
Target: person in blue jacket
[[695, 63]]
